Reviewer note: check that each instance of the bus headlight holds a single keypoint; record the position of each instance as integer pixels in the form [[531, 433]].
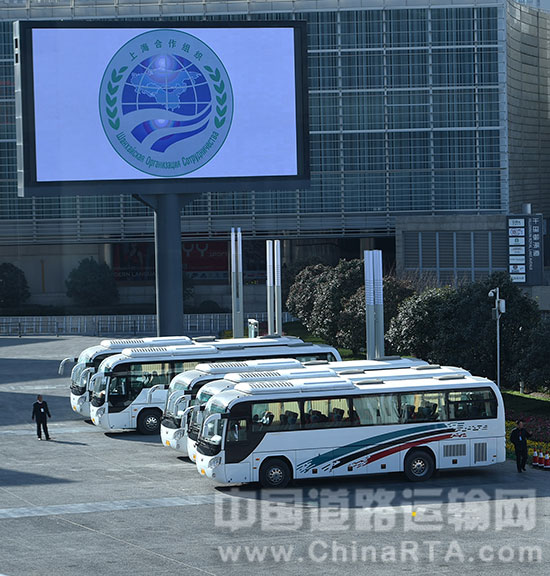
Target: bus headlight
[[81, 400], [178, 434], [100, 412], [214, 462]]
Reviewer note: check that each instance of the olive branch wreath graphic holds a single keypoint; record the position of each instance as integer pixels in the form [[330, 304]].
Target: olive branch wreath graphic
[[111, 97], [219, 86]]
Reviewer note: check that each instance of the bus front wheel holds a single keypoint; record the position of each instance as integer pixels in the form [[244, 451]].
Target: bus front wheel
[[419, 466], [148, 422], [274, 473]]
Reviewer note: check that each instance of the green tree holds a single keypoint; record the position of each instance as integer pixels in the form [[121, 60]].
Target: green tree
[[534, 367], [302, 293], [455, 326], [92, 284], [289, 272], [14, 289], [331, 292]]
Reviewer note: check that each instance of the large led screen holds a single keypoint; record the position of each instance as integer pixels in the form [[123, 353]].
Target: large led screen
[[143, 106]]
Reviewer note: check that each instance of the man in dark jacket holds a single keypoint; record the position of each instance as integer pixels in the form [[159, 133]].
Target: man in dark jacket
[[518, 438], [40, 413]]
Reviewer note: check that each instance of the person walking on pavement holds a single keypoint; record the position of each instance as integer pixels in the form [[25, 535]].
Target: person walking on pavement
[[41, 413], [518, 438]]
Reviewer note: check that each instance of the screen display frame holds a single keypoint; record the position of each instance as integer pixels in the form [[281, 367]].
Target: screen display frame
[[28, 183]]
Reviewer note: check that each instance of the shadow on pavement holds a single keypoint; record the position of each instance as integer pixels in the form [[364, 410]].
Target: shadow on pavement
[[479, 485], [16, 478], [8, 341], [134, 437], [55, 441], [19, 370]]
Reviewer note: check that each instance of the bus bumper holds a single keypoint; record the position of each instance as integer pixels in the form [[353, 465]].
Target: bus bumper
[[211, 467], [174, 438]]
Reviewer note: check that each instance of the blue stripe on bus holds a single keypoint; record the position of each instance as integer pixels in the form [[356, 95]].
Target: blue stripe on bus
[[370, 441]]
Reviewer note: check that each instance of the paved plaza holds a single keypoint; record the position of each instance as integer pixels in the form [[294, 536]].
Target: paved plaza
[[95, 503]]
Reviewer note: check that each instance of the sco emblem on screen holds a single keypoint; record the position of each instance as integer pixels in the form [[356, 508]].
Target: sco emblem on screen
[[166, 103]]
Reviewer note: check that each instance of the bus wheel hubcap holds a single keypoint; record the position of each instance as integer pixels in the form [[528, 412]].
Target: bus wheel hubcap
[[275, 475], [418, 467], [151, 423]]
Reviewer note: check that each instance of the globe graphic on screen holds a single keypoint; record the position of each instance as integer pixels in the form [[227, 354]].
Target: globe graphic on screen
[[166, 99]]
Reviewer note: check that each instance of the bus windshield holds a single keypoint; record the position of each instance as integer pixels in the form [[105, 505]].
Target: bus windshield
[[177, 384], [211, 435], [203, 396], [99, 385], [175, 405], [195, 422]]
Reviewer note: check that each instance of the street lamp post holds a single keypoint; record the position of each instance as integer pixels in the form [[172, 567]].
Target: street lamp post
[[498, 311]]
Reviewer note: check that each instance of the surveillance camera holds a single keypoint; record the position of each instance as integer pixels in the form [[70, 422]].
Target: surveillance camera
[[491, 294]]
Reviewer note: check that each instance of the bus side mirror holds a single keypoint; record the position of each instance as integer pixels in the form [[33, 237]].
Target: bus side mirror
[[61, 368]]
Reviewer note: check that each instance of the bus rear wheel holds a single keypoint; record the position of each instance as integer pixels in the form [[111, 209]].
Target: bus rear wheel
[[419, 466], [148, 422], [275, 473]]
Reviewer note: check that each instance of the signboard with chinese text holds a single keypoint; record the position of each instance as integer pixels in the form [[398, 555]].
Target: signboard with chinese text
[[525, 249]]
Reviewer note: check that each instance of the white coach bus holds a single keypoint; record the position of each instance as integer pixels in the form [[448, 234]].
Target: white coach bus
[[89, 360], [368, 376], [130, 389], [278, 431], [185, 386]]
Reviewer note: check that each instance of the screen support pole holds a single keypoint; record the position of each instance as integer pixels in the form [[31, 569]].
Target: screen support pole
[[168, 260]]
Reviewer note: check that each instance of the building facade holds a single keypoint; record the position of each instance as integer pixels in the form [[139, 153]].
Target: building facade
[[409, 116]]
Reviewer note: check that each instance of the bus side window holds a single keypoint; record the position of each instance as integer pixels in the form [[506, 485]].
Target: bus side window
[[275, 416], [237, 431]]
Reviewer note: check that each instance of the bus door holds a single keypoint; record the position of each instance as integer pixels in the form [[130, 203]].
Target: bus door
[[240, 441], [119, 400]]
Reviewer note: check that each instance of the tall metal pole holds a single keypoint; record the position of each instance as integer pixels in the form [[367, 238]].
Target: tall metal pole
[[237, 284], [369, 305], [378, 302], [497, 308], [278, 291], [269, 286], [169, 268]]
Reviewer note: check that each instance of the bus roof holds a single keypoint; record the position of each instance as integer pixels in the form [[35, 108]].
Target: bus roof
[[277, 369], [115, 346], [206, 351], [358, 377], [385, 363], [264, 391], [262, 364], [249, 365]]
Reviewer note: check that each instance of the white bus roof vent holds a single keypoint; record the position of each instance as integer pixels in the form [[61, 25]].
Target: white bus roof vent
[[386, 358], [371, 382], [315, 362], [351, 371], [451, 377], [220, 366], [257, 375], [427, 367], [204, 339], [258, 387], [122, 342], [136, 351], [220, 346]]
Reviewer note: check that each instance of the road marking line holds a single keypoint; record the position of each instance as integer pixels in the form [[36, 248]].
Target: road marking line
[[91, 507]]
